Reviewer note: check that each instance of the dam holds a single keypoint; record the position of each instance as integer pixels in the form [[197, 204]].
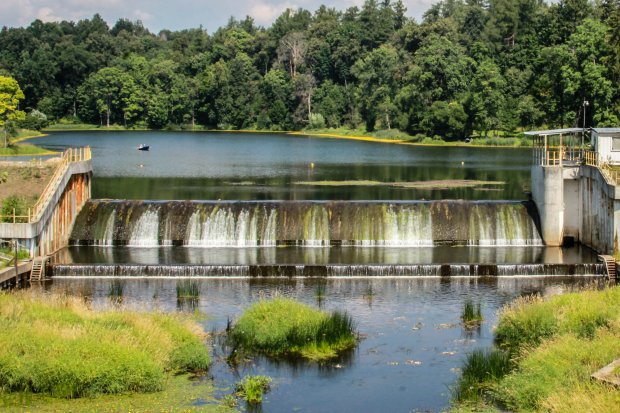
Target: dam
[[310, 230]]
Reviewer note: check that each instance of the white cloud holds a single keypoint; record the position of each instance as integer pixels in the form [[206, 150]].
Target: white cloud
[[46, 14], [176, 14], [142, 15], [265, 13]]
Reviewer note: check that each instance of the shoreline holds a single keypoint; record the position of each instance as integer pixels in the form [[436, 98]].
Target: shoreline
[[361, 138]]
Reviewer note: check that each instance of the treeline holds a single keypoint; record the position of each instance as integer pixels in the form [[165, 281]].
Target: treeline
[[470, 66]]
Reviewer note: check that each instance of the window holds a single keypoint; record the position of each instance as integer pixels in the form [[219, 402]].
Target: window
[[615, 144]]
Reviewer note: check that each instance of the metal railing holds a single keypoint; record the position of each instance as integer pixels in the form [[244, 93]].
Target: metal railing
[[35, 213]]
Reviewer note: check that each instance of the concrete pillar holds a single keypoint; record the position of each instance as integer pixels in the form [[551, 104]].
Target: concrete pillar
[[548, 194]]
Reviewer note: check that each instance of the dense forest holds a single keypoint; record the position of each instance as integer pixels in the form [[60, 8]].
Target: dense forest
[[469, 67]]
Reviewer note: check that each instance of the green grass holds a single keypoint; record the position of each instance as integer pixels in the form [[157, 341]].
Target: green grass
[[180, 394], [283, 327], [56, 346], [555, 346], [23, 149], [188, 290], [252, 388], [22, 254], [552, 371], [482, 369], [472, 314], [530, 320], [61, 127], [25, 134]]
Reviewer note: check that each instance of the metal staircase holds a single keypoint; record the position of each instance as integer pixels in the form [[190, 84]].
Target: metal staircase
[[610, 265], [38, 269]]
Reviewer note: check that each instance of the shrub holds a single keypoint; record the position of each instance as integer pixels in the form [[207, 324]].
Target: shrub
[[282, 326], [10, 203], [481, 369], [252, 388], [317, 121], [56, 345]]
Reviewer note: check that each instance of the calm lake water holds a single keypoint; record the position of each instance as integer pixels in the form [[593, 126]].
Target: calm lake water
[[412, 344], [242, 166], [408, 360]]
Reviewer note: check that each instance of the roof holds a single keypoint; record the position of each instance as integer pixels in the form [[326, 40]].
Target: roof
[[555, 132], [606, 131]]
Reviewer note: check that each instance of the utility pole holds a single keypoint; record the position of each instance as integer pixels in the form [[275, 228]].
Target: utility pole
[[585, 105]]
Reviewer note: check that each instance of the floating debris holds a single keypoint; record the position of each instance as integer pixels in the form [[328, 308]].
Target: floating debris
[[413, 362], [448, 353], [393, 363], [417, 327]]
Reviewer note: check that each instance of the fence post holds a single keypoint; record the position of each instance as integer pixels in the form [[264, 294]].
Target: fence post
[[13, 215]]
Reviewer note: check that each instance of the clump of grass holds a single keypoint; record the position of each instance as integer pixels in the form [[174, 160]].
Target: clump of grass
[[472, 314], [556, 369], [285, 327], [188, 290], [56, 345], [482, 368], [555, 346], [531, 320], [252, 388], [320, 293], [115, 291]]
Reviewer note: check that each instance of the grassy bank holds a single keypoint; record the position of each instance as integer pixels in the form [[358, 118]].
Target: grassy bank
[[283, 327], [393, 136], [18, 149], [24, 149], [56, 346], [552, 347]]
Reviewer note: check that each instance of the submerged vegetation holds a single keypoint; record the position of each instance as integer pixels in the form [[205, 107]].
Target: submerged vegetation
[[188, 290], [547, 352], [472, 314], [467, 68], [56, 346], [282, 327], [252, 388]]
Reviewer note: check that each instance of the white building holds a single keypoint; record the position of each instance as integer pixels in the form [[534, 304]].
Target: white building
[[606, 145]]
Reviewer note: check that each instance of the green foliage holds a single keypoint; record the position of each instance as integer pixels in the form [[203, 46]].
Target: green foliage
[[472, 313], [188, 290], [10, 96], [34, 120], [281, 326], [57, 346], [481, 369], [12, 204], [530, 320], [469, 67], [252, 388], [555, 345]]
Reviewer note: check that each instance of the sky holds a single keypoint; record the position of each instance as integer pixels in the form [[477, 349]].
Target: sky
[[171, 14]]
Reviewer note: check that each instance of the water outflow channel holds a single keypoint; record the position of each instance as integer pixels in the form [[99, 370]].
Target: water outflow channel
[[314, 238]]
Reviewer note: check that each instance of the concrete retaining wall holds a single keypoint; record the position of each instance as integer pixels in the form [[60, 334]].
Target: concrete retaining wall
[[578, 202], [52, 230]]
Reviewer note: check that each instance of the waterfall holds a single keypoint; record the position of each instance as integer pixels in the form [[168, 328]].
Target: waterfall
[[146, 231], [353, 270], [312, 224]]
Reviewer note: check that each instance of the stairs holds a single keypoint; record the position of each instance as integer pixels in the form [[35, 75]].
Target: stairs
[[38, 269], [610, 265]]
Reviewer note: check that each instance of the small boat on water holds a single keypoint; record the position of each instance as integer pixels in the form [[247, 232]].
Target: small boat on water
[[143, 147]]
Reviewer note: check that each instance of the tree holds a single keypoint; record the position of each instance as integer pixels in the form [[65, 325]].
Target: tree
[[10, 95], [378, 77], [292, 50]]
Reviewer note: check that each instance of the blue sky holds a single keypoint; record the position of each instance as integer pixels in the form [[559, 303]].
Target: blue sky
[[170, 14]]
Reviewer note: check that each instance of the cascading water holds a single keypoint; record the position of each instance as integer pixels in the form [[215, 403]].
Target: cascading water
[[250, 224]]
